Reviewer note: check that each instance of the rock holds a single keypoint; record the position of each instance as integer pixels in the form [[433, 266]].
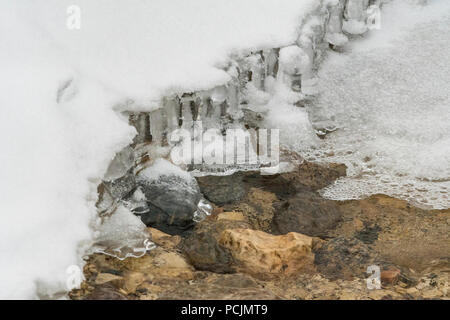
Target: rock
[[132, 280], [203, 249], [107, 277], [405, 236], [263, 255], [232, 189], [390, 276], [158, 264], [345, 258], [163, 239], [257, 208], [105, 292], [313, 176], [172, 196], [213, 286], [222, 190], [234, 216], [306, 213]]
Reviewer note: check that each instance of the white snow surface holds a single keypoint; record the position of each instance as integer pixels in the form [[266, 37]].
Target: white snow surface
[[162, 167], [389, 95], [147, 49], [57, 146]]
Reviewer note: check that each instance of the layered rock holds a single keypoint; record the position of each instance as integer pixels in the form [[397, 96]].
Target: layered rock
[[263, 255]]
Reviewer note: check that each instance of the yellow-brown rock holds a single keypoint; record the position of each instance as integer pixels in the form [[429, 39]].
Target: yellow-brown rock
[[232, 215], [264, 255], [163, 239]]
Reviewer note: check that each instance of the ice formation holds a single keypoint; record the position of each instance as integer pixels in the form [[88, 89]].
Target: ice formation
[[123, 235], [389, 97]]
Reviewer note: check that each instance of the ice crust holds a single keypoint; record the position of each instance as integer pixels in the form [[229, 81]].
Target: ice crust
[[389, 95]]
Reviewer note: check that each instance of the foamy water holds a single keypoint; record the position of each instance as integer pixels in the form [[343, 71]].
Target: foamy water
[[389, 95]]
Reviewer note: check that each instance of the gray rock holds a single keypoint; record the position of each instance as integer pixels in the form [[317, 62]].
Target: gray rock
[[306, 213], [223, 190], [172, 197]]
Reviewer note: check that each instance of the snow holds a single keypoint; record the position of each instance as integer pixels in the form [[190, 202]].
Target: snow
[[162, 167], [61, 90], [389, 95], [147, 49]]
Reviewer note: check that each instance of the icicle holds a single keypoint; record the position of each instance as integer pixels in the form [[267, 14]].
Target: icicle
[[334, 35], [187, 106], [294, 62], [158, 126], [172, 110], [141, 121], [355, 17], [271, 62]]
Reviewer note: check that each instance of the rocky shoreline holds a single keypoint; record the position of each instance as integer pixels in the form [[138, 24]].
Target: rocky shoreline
[[280, 240]]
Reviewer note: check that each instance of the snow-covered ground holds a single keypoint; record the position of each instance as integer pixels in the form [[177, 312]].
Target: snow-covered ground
[[58, 127], [390, 97]]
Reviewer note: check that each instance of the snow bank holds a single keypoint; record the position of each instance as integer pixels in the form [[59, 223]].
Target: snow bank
[[147, 49], [53, 155], [58, 129]]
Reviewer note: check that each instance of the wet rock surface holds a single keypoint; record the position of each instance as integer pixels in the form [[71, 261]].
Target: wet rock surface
[[403, 234], [306, 213], [203, 249], [223, 190], [242, 252], [344, 258]]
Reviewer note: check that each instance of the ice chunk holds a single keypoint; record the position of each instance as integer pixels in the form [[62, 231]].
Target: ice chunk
[[123, 235]]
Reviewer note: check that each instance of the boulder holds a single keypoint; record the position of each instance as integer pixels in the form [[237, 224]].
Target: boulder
[[264, 255], [172, 196]]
